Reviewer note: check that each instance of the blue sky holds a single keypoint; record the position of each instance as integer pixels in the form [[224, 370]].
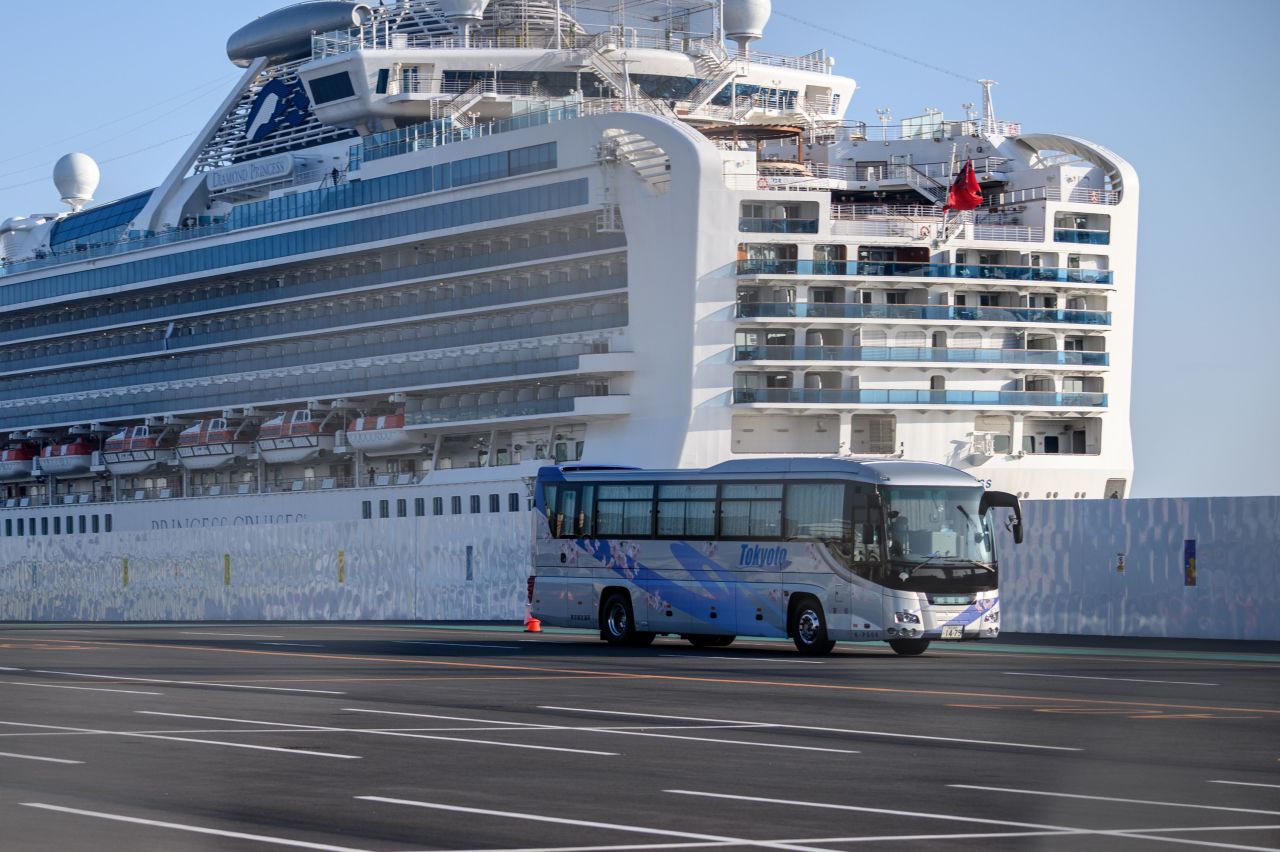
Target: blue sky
[[1184, 90]]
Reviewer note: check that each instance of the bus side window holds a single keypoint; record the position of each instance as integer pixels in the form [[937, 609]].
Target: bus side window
[[567, 518], [550, 494], [864, 513]]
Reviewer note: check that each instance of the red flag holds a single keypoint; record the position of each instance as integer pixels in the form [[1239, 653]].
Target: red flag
[[965, 193]]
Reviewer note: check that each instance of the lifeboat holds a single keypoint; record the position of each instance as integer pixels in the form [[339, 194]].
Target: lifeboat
[[293, 436], [67, 459], [15, 462], [382, 436], [209, 444], [134, 449]]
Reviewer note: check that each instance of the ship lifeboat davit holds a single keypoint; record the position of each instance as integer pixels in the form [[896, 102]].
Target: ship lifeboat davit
[[381, 436], [68, 459], [15, 462], [293, 436], [133, 450], [209, 444]]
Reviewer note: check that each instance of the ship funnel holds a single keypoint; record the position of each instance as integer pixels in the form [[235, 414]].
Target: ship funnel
[[462, 14], [76, 177], [744, 20]]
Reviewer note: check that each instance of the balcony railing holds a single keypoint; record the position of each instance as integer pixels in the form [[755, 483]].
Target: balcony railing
[[815, 396], [921, 353], [845, 310], [777, 226], [1080, 235], [867, 268]]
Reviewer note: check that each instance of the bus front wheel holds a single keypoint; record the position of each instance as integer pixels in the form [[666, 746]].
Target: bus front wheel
[[909, 647], [808, 627], [618, 623]]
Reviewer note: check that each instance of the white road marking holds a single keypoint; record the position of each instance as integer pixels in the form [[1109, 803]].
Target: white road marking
[[8, 669], [767, 844], [245, 635], [65, 686], [593, 730], [1246, 784], [34, 757], [890, 811], [146, 736], [1120, 679], [385, 733], [887, 734], [693, 655], [292, 644], [1112, 799], [239, 835], [453, 644], [191, 682]]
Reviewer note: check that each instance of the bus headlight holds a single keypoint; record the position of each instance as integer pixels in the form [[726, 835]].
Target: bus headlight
[[907, 617]]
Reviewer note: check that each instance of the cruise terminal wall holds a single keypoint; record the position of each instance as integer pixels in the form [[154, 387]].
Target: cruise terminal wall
[[1065, 578]]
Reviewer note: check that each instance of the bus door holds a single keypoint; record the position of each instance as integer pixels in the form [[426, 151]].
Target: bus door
[[573, 525]]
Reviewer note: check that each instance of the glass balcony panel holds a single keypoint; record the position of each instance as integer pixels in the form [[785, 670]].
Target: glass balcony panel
[[777, 226], [896, 396], [923, 270]]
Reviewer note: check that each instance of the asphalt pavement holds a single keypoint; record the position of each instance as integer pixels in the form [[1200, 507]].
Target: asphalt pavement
[[464, 737]]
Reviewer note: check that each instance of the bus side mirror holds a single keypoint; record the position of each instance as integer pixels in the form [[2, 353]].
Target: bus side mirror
[[1004, 500]]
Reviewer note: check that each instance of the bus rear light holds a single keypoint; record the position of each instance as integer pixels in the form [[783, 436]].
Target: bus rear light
[[529, 583]]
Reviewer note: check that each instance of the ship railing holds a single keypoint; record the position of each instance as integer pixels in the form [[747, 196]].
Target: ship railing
[[1078, 195], [382, 37]]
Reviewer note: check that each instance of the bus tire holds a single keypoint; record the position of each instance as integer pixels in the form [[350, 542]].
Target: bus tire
[[909, 647], [808, 627], [702, 640], [618, 622]]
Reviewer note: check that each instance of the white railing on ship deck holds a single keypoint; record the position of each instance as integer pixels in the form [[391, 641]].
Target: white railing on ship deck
[[382, 37]]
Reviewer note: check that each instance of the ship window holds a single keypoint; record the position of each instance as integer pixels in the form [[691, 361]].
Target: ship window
[[455, 504], [437, 505], [513, 502], [366, 509], [402, 508], [44, 526], [384, 508], [332, 87], [83, 525], [495, 503], [95, 520], [384, 77], [475, 504], [57, 525], [22, 527], [419, 507], [8, 526], [71, 524]]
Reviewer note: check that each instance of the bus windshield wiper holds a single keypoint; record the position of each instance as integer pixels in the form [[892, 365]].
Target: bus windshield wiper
[[911, 567]]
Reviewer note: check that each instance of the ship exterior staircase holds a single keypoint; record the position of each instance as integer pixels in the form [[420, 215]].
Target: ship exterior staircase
[[717, 73], [649, 160], [595, 59], [456, 108]]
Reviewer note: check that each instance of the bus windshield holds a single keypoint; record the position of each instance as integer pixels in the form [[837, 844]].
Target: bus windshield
[[937, 540]]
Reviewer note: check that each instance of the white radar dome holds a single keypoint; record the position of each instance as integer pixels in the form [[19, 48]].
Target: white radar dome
[[76, 177], [744, 20]]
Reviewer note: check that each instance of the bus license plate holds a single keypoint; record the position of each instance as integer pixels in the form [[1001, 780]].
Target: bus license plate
[[953, 631]]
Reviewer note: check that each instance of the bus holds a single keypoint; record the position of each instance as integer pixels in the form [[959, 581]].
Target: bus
[[815, 549]]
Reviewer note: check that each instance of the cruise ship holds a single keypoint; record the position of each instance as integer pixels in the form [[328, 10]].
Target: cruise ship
[[425, 247]]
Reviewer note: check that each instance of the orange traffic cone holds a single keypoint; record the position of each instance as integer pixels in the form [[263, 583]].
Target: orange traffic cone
[[531, 624]]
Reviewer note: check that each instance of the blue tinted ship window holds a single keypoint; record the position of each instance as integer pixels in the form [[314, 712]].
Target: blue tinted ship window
[[332, 87], [101, 224]]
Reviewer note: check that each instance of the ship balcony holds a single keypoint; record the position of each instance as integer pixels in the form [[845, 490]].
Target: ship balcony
[[932, 271], [939, 313], [1082, 235], [919, 354], [753, 225], [581, 407], [911, 398]]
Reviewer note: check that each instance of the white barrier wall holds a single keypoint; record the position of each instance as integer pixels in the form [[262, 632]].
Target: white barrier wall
[[1064, 577], [385, 569]]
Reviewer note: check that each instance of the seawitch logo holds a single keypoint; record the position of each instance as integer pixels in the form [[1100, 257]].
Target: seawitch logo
[[755, 556]]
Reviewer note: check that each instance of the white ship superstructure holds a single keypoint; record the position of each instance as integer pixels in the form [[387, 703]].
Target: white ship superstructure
[[425, 247]]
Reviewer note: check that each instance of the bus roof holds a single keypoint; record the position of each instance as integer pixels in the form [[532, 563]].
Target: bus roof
[[888, 471]]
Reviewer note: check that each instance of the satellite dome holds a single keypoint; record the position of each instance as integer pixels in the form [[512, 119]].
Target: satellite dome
[[744, 20], [76, 177]]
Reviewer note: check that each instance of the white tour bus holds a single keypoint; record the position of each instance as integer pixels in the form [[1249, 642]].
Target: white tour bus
[[815, 549]]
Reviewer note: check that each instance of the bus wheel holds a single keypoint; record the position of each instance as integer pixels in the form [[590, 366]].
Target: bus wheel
[[909, 647], [702, 640], [808, 627], [618, 624]]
